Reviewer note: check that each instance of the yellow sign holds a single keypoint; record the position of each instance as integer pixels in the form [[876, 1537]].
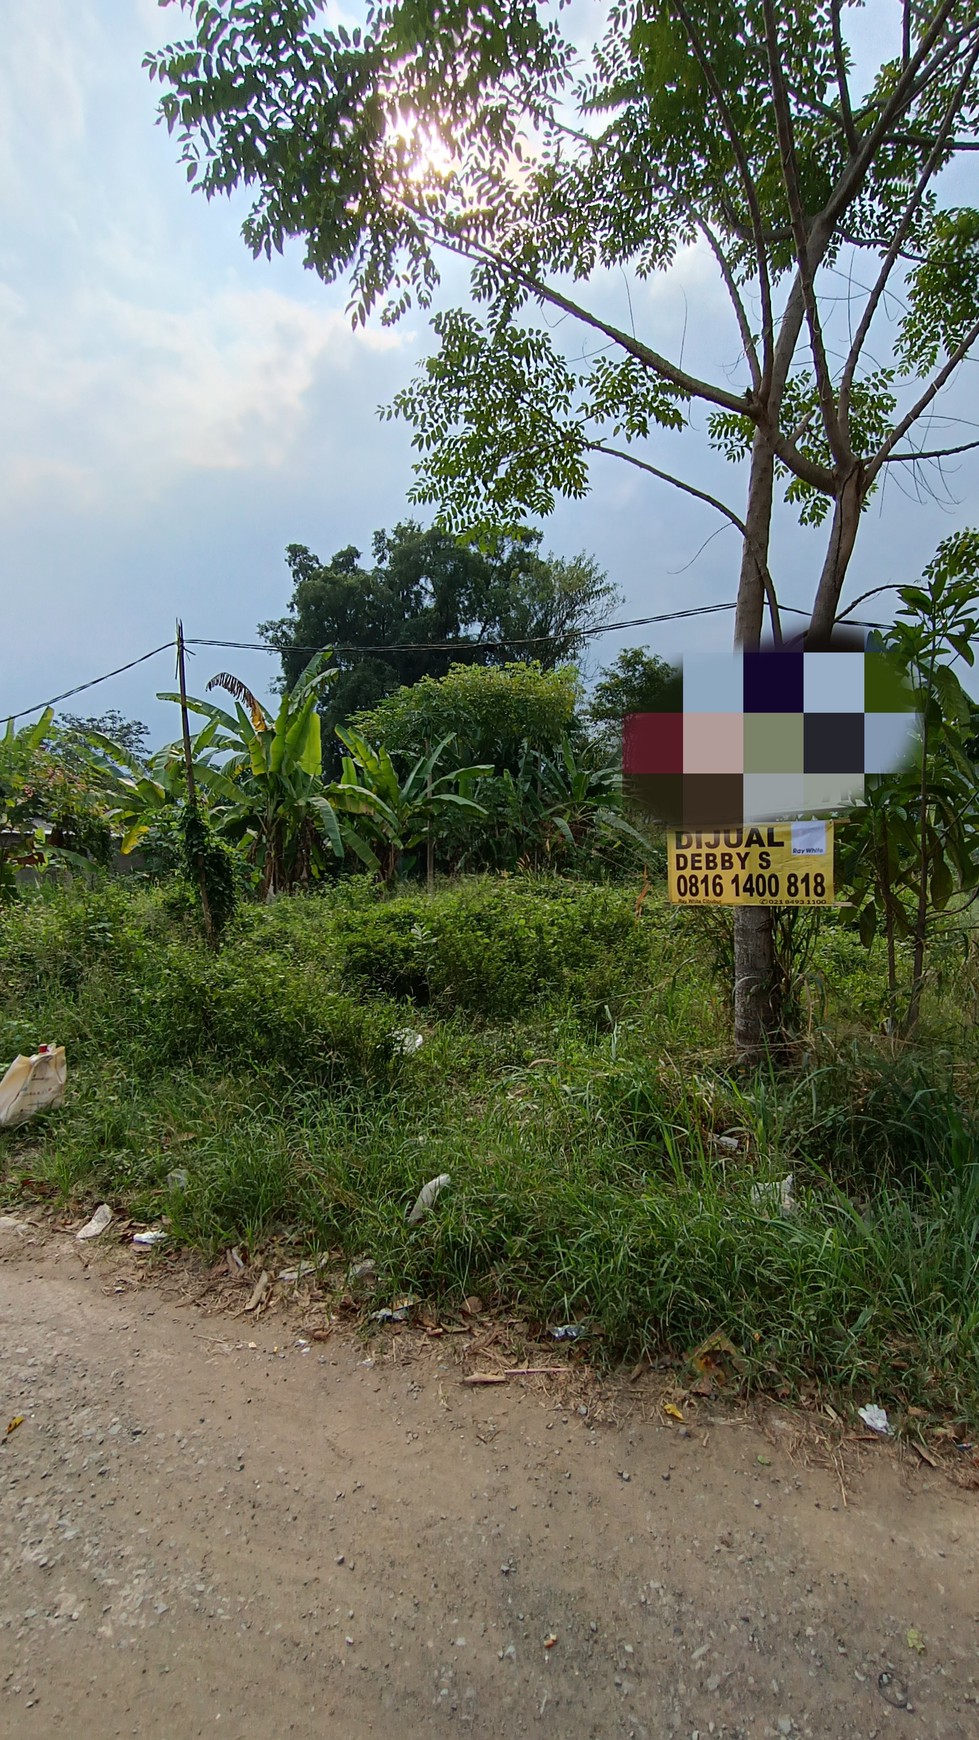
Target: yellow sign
[[788, 864]]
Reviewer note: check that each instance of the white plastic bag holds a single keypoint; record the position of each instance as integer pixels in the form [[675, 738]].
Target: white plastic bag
[[426, 1196], [31, 1084], [94, 1228]]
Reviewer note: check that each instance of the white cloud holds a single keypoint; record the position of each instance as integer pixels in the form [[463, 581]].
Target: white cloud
[[139, 345], [47, 53], [110, 397]]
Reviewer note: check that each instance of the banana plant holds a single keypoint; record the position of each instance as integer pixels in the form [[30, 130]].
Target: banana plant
[[582, 802], [549, 806], [22, 840], [142, 794], [267, 792], [398, 814]]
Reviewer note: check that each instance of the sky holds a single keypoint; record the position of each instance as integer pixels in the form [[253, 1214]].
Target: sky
[[176, 413]]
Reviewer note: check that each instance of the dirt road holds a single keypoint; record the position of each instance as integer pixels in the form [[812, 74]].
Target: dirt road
[[203, 1537]]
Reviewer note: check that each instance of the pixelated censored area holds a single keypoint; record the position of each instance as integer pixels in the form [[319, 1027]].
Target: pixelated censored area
[[765, 736]]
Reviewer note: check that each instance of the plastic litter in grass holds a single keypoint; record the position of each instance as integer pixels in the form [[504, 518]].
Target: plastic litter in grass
[[427, 1195], [876, 1419], [396, 1313], [303, 1269], [776, 1196], [363, 1270], [94, 1228]]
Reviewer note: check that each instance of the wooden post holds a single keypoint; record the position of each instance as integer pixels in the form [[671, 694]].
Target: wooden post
[[191, 784], [184, 718]]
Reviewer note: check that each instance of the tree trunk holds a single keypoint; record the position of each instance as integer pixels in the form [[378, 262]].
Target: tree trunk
[[757, 1010], [756, 1014], [757, 1000], [846, 523], [749, 615]]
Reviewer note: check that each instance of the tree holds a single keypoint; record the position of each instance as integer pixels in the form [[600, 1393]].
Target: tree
[[76, 776], [732, 125], [130, 734], [638, 682], [492, 714], [910, 860], [582, 808], [22, 833], [426, 588], [143, 796], [53, 802], [545, 794]]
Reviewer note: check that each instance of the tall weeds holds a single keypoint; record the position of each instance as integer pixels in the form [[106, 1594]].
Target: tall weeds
[[572, 1082]]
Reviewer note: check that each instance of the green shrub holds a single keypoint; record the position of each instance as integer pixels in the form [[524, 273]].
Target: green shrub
[[496, 949], [390, 950], [117, 975], [492, 711]]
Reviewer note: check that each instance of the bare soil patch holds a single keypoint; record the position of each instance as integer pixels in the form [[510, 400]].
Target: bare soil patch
[[221, 1523]]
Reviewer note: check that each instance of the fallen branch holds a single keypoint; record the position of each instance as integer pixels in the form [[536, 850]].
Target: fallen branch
[[500, 1377], [260, 1290]]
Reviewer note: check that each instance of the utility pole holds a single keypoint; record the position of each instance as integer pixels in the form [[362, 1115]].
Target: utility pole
[[193, 816], [184, 717]]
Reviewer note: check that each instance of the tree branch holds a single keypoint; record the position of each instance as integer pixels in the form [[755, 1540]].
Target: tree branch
[[874, 590], [958, 355], [737, 302], [847, 189], [933, 453], [712, 501], [744, 169], [744, 327], [954, 145], [852, 178], [945, 52], [660, 365], [479, 254], [849, 129], [893, 252], [807, 470], [838, 445]]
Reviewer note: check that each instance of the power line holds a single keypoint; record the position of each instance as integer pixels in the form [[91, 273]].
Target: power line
[[492, 645], [407, 646], [42, 706], [466, 645]]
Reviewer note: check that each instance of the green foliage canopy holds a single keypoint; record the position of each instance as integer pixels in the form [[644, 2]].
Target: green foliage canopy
[[751, 130], [425, 588], [54, 800], [638, 682], [492, 713]]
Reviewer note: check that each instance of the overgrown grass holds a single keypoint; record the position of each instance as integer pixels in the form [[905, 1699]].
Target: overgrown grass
[[573, 1080]]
